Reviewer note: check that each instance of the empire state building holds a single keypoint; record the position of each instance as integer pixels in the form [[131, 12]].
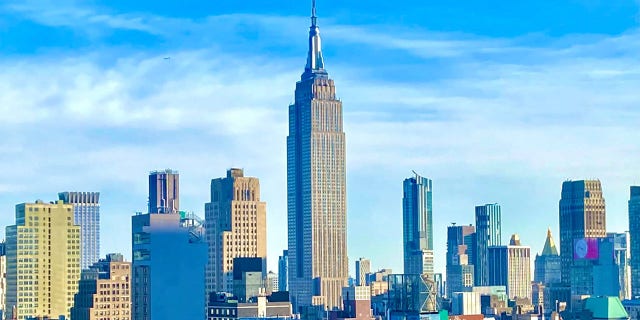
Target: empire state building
[[316, 186]]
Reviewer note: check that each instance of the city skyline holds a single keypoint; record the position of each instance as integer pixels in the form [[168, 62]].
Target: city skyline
[[124, 158]]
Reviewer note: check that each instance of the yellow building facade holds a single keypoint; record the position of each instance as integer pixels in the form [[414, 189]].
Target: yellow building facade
[[43, 260]]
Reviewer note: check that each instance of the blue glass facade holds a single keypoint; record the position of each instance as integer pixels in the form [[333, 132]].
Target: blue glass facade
[[417, 208], [86, 207], [488, 234]]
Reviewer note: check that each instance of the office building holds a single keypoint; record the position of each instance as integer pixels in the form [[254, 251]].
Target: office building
[[86, 212], [582, 215], [316, 186], [169, 261], [164, 191], [510, 266], [547, 264], [225, 306], [634, 233], [3, 277], [622, 259], [272, 282], [440, 282], [363, 267], [460, 269], [104, 292], [417, 221], [466, 303], [44, 241], [356, 301], [236, 226], [283, 271], [248, 278], [411, 295], [488, 234]]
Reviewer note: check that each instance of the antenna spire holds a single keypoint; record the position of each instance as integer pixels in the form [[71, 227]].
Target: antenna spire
[[314, 18]]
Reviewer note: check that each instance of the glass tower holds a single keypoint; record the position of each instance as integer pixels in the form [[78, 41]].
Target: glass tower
[[417, 208], [634, 232], [86, 213], [488, 234], [316, 186]]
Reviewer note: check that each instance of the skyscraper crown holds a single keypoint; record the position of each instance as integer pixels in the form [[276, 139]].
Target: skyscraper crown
[[549, 246], [315, 61]]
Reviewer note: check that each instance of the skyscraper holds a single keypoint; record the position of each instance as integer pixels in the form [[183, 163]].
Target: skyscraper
[[86, 214], [169, 262], [510, 266], [164, 191], [44, 241], [634, 232], [283, 271], [460, 270], [236, 227], [105, 291], [582, 215], [363, 267], [488, 234], [621, 254], [547, 265], [316, 186], [417, 210]]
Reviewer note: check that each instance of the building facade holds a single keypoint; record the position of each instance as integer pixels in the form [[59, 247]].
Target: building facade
[[169, 259], [3, 276], [547, 264], [236, 226], [582, 215], [44, 240], [363, 268], [417, 221], [316, 186], [86, 211], [634, 233], [164, 191], [488, 234], [105, 291], [622, 257], [510, 266]]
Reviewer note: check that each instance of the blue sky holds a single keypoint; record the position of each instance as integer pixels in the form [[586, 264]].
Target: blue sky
[[496, 102]]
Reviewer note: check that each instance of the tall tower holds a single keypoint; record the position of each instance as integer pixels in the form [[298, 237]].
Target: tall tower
[[236, 227], [634, 233], [86, 213], [164, 191], [488, 234], [510, 266], [547, 265], [417, 207], [283, 271], [582, 215], [56, 255], [316, 186]]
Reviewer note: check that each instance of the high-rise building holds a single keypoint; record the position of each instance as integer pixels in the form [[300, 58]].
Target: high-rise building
[[169, 262], [488, 234], [283, 271], [634, 233], [510, 266], [622, 257], [547, 265], [582, 215], [236, 227], [86, 214], [44, 241], [460, 269], [316, 186], [417, 221], [164, 191], [363, 267], [272, 282], [3, 276], [105, 291]]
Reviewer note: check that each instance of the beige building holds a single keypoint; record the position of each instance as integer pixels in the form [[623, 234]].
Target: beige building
[[316, 187], [105, 291], [236, 227], [43, 260]]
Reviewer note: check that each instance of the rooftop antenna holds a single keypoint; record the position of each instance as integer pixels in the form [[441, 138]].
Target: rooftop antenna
[[314, 19]]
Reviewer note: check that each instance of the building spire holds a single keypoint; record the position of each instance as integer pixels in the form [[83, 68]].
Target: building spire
[[315, 61], [549, 246]]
